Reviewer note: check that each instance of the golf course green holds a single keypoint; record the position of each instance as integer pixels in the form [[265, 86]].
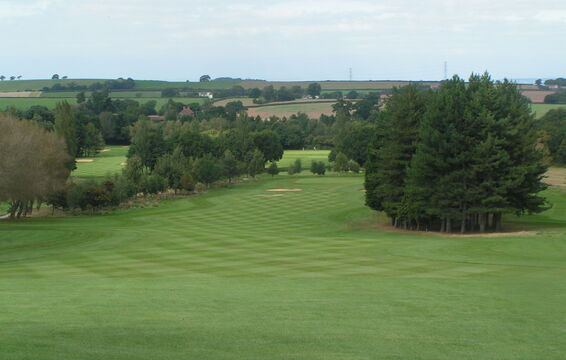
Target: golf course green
[[257, 271]]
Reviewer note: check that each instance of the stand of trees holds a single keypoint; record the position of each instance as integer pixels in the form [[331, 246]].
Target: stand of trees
[[33, 164], [552, 137], [459, 157]]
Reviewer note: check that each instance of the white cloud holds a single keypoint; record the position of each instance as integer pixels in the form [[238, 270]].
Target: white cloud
[[11, 9]]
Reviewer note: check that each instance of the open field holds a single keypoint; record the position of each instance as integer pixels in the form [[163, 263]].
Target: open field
[[106, 162], [306, 156], [541, 109], [313, 110], [241, 274], [24, 103]]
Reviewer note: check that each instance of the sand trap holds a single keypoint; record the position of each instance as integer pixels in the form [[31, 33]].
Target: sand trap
[[84, 160], [105, 150], [123, 164], [280, 190]]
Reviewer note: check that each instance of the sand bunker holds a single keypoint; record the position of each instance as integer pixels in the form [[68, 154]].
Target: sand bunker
[[105, 150], [84, 160], [123, 164], [281, 190]]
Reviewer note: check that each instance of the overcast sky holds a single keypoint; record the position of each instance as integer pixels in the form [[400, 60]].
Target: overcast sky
[[282, 40]]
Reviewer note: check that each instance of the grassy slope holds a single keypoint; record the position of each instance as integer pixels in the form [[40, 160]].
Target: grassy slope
[[235, 274]]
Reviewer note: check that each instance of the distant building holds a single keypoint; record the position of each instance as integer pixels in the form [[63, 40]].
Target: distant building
[[185, 112], [206, 94]]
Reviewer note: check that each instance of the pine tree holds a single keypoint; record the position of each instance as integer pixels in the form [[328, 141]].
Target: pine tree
[[66, 127], [397, 131]]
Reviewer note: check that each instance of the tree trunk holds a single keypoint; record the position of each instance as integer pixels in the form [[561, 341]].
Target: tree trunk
[[442, 227], [463, 225], [448, 225], [482, 220], [497, 220]]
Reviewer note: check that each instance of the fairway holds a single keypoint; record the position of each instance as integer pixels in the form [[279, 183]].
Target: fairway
[[240, 273], [106, 162], [307, 156]]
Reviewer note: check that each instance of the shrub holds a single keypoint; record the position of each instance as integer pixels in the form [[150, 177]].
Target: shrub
[[153, 184], [318, 167], [353, 166]]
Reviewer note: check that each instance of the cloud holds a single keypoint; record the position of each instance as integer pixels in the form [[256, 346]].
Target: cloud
[[13, 9]]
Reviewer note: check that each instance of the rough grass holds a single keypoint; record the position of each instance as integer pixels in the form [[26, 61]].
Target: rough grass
[[307, 275]]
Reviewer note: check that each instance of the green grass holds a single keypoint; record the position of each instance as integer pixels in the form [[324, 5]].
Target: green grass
[[107, 162], [541, 109], [239, 274], [25, 103], [306, 156]]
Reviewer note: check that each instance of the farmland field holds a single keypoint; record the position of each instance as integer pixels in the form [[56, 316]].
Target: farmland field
[[249, 273], [313, 110], [25, 103], [541, 109]]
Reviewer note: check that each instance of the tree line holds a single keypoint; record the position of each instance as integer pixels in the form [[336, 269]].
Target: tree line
[[458, 157]]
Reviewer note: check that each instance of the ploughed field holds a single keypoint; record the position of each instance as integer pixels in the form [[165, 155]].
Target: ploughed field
[[251, 273]]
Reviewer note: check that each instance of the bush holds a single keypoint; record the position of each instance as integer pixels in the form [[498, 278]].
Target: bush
[[153, 184], [297, 166], [353, 166], [318, 167], [187, 182], [273, 169]]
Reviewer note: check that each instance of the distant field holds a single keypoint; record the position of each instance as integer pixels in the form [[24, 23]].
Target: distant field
[[306, 156], [114, 94], [21, 85], [541, 109], [107, 162], [25, 103], [313, 110], [335, 85]]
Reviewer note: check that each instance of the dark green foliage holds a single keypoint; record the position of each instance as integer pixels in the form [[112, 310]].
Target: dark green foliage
[[230, 164], [297, 166], [553, 133], [353, 166], [318, 167], [187, 182], [269, 143], [341, 163], [153, 184], [272, 169], [256, 164], [314, 89], [458, 157], [208, 169]]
